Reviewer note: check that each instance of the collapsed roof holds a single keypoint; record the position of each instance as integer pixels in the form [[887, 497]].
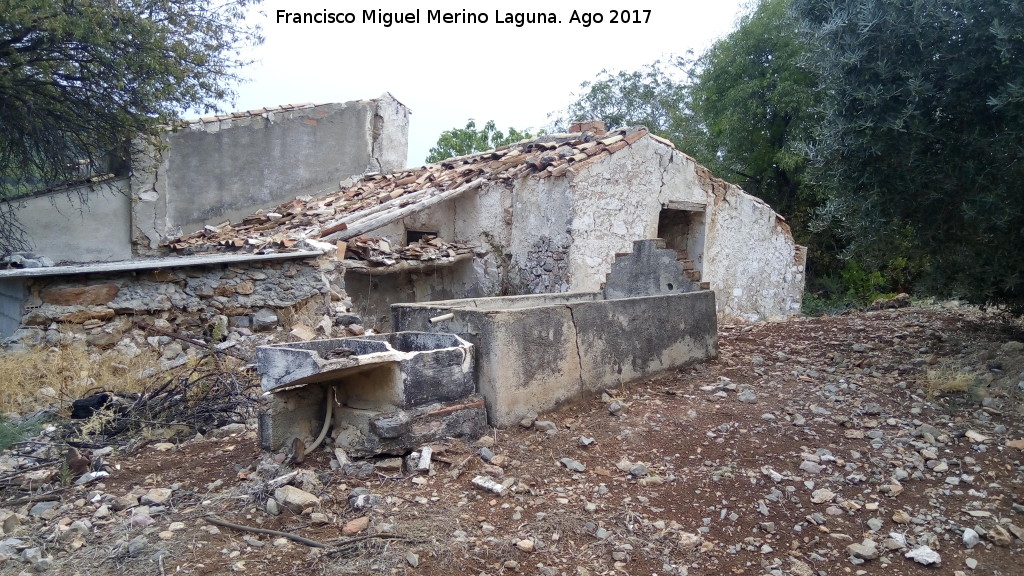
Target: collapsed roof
[[378, 199]]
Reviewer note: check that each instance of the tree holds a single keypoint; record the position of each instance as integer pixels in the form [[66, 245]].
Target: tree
[[80, 78], [462, 141], [756, 104], [656, 96], [921, 145]]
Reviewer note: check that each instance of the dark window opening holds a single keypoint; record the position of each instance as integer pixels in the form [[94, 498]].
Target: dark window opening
[[418, 235]]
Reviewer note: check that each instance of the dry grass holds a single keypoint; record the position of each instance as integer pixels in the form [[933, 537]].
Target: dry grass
[[946, 380], [69, 371]]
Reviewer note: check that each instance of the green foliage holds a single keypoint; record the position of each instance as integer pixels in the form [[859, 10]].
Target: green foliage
[[462, 141], [656, 96], [79, 79], [862, 286], [11, 432], [918, 152], [756, 104], [852, 287], [818, 305]]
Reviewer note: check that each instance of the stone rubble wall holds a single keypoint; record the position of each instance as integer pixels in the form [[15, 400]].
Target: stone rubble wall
[[214, 303], [545, 269]]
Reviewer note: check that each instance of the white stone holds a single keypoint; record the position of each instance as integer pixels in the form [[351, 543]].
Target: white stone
[[924, 555], [156, 496], [295, 499], [971, 538]]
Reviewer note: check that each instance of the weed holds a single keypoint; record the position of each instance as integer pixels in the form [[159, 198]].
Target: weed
[[947, 381], [11, 432], [814, 305]]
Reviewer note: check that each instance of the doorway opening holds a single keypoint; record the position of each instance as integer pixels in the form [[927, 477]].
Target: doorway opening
[[681, 226]]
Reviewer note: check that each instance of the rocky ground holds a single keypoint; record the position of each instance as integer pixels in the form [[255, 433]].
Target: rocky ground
[[888, 442]]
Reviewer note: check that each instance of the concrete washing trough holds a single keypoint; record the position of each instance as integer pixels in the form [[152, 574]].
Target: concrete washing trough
[[536, 352], [384, 393]]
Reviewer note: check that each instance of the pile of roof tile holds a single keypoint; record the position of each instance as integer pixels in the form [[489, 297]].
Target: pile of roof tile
[[327, 217], [380, 251]]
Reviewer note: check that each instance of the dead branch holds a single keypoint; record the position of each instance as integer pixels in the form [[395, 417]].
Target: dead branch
[[51, 496], [29, 469], [335, 547], [295, 537], [347, 543]]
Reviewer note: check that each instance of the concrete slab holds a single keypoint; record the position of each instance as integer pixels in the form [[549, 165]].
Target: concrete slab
[[399, 369]]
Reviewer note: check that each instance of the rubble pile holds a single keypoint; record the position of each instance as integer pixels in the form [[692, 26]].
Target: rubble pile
[[430, 248]]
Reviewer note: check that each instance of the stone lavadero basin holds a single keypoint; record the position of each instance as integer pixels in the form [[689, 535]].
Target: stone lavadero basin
[[386, 393]]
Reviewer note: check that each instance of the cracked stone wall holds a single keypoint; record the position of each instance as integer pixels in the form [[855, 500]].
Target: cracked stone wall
[[545, 267]]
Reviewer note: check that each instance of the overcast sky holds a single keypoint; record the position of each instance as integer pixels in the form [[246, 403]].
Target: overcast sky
[[448, 73]]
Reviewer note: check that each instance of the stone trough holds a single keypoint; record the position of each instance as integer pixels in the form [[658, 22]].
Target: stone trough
[[386, 393]]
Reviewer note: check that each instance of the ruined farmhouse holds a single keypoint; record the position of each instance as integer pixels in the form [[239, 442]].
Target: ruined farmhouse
[[304, 216]]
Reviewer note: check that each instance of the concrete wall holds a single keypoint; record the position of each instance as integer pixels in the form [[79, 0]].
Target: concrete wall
[[210, 172], [630, 338], [12, 299], [541, 351], [482, 217], [79, 225], [373, 295]]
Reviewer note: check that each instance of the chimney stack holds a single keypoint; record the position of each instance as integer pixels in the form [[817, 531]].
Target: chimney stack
[[595, 126]]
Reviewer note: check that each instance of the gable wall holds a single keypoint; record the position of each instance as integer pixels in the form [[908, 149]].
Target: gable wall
[[749, 259]]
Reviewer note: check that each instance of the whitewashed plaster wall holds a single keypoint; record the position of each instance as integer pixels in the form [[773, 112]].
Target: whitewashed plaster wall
[[618, 200], [750, 258], [751, 261]]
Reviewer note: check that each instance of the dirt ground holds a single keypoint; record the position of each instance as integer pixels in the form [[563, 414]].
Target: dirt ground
[[830, 446]]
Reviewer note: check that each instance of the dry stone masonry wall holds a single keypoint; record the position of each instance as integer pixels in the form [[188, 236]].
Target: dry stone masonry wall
[[218, 302]]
